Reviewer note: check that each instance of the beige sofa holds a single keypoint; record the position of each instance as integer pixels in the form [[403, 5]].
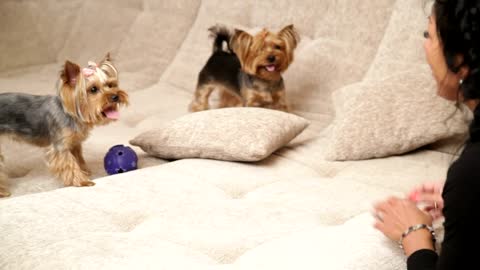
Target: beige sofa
[[294, 210]]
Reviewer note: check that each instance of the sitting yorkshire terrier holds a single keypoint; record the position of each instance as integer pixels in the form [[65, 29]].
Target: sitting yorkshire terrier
[[85, 98], [249, 71]]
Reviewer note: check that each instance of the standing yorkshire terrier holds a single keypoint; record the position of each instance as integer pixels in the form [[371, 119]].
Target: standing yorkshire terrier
[[248, 72], [86, 98]]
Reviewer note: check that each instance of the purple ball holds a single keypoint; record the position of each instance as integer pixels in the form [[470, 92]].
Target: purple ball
[[120, 159]]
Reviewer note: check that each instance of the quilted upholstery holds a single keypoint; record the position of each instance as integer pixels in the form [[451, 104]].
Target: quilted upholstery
[[294, 210]]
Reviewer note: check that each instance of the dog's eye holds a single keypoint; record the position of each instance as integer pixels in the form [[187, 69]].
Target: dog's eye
[[93, 90], [278, 47]]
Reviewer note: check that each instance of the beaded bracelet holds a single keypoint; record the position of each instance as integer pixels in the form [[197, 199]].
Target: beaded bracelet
[[416, 228]]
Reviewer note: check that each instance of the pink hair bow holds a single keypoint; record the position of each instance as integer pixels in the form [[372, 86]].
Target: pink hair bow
[[90, 69]]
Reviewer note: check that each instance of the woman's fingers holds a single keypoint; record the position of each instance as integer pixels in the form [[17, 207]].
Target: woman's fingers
[[430, 197], [379, 225]]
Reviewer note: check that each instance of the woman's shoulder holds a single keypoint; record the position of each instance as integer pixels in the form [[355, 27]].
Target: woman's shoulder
[[468, 163], [470, 156], [464, 174]]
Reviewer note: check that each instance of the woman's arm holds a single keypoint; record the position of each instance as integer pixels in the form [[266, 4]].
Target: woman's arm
[[417, 240], [461, 196]]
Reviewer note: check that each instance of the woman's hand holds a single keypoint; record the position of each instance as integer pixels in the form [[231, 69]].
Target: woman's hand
[[431, 195], [395, 216]]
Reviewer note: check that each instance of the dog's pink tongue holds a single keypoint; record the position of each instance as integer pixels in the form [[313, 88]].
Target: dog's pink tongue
[[112, 114], [271, 68]]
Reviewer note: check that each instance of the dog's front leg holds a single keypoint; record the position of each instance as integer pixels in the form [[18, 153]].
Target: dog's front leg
[[63, 164], [279, 101], [255, 98], [78, 154]]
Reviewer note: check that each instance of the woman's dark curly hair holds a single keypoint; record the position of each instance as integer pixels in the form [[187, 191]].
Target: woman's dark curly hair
[[458, 26]]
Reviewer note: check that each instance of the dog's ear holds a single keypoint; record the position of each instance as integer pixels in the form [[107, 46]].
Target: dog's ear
[[70, 73], [107, 57], [290, 36], [70, 76], [106, 65], [240, 43]]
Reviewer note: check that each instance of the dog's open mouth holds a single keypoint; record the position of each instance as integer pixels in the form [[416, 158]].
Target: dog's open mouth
[[271, 68], [111, 112]]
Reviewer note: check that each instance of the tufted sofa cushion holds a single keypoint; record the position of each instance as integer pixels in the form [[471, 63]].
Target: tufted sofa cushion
[[292, 210]]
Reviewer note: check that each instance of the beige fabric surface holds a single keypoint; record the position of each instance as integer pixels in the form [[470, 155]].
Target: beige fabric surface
[[295, 209], [390, 117], [394, 109], [234, 134]]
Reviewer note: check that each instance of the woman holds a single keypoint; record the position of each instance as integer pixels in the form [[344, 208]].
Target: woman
[[452, 47]]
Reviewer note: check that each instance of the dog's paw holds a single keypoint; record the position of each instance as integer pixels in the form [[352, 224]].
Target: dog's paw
[[198, 107], [87, 184], [4, 193], [82, 180]]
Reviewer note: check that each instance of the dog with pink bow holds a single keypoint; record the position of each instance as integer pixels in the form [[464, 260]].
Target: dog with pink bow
[[85, 98]]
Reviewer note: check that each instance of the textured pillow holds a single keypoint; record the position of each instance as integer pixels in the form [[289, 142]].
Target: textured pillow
[[389, 117], [235, 134]]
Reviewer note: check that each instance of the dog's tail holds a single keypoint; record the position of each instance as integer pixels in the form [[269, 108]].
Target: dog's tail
[[220, 34]]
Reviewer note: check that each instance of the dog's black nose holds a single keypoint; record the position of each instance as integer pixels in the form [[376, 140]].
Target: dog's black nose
[[271, 58], [115, 98]]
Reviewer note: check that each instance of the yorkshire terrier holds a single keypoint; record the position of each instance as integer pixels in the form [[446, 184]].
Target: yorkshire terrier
[[85, 98], [248, 72]]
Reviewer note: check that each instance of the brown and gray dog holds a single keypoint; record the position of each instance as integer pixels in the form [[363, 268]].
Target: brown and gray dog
[[86, 98], [249, 71]]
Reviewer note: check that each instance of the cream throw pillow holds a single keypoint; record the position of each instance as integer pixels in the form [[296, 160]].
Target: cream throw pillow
[[235, 134], [390, 117]]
